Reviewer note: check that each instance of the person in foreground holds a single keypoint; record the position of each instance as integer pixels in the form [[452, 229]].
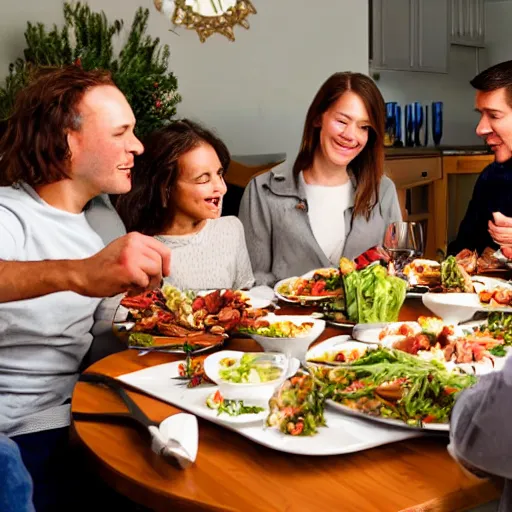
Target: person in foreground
[[335, 200], [488, 219], [178, 186], [480, 437], [69, 140]]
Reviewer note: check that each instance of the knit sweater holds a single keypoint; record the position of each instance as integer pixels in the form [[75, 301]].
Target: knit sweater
[[215, 257]]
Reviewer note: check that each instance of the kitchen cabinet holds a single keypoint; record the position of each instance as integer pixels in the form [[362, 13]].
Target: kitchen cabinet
[[447, 206], [410, 35], [467, 22], [415, 179]]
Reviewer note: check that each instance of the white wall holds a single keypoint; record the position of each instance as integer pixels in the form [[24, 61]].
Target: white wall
[[452, 88], [255, 91], [498, 20]]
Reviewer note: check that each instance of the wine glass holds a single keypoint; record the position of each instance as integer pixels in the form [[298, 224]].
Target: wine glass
[[404, 241]]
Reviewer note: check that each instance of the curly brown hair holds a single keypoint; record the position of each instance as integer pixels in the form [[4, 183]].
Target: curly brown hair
[[368, 166], [34, 144], [148, 207]]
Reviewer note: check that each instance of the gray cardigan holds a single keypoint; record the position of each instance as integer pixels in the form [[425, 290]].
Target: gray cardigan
[[274, 212]]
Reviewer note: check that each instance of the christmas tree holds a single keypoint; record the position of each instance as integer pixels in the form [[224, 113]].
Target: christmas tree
[[140, 69]]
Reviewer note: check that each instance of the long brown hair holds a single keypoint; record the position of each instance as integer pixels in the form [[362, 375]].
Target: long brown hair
[[34, 145], [368, 166], [148, 207]]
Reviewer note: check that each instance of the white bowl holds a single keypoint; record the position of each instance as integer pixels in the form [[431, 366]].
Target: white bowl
[[453, 308], [292, 347], [259, 392]]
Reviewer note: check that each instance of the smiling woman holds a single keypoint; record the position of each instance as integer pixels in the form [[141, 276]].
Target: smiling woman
[[178, 186], [335, 200]]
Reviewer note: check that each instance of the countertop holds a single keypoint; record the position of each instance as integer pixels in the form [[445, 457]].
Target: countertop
[[417, 152]]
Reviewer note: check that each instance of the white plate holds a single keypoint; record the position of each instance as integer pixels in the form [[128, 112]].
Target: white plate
[[344, 434], [301, 298], [438, 427], [370, 333], [337, 344]]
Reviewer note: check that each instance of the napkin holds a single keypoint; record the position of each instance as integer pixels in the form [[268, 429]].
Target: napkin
[[176, 439]]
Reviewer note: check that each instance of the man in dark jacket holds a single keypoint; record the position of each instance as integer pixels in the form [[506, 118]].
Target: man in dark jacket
[[481, 438], [488, 220]]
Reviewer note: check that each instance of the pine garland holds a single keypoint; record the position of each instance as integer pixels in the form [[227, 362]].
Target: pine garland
[[86, 39]]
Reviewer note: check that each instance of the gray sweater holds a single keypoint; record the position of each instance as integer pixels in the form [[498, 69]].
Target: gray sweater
[[281, 243], [480, 434]]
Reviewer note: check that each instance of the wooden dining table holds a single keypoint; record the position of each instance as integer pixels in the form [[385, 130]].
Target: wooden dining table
[[232, 473]]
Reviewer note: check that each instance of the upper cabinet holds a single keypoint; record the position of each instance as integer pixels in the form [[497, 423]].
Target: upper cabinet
[[467, 22], [410, 35]]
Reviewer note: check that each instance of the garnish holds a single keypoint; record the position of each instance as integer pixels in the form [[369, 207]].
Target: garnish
[[140, 339], [231, 407]]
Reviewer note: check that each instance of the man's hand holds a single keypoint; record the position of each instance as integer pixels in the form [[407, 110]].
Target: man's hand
[[501, 229], [133, 262]]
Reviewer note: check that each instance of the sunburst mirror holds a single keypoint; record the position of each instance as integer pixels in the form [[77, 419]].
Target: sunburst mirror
[[208, 16]]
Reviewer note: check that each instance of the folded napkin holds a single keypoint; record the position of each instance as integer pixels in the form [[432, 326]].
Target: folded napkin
[[176, 439]]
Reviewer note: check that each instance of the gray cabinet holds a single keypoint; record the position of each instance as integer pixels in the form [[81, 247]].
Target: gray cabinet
[[467, 23], [410, 35]]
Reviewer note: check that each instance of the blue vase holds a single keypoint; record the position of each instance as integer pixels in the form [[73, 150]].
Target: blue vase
[[437, 121]]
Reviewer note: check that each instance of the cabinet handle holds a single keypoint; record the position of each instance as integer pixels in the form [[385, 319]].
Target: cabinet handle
[[424, 174]]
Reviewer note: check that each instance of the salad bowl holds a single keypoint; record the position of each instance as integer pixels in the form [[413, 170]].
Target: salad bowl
[[274, 338], [252, 376]]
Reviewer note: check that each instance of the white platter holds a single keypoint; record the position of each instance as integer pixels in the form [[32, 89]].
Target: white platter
[[344, 434]]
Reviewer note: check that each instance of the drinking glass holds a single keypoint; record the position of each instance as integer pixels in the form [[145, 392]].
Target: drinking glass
[[404, 241], [437, 121]]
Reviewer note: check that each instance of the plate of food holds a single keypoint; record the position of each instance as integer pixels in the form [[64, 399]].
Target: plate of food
[[315, 286], [393, 387], [337, 350], [163, 319], [463, 347]]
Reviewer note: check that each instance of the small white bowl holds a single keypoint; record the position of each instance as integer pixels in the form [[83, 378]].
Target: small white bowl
[[259, 392], [292, 347], [453, 308]]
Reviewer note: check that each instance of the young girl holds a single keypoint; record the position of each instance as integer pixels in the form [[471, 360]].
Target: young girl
[[178, 185], [334, 201]]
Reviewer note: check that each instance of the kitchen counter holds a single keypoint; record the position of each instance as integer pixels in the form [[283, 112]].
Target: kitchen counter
[[417, 152]]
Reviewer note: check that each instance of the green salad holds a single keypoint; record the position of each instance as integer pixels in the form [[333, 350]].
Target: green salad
[[372, 295], [249, 369], [393, 384]]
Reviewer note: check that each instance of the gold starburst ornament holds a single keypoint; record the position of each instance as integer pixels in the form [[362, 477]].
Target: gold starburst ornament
[[208, 16]]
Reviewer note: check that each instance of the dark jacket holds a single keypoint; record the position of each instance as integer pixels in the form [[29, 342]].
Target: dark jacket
[[492, 193]]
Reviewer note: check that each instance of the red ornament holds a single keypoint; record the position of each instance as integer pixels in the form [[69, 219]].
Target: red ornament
[[78, 62], [155, 85], [158, 104]]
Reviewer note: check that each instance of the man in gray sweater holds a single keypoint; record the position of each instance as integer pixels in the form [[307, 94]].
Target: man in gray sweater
[[68, 143]]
